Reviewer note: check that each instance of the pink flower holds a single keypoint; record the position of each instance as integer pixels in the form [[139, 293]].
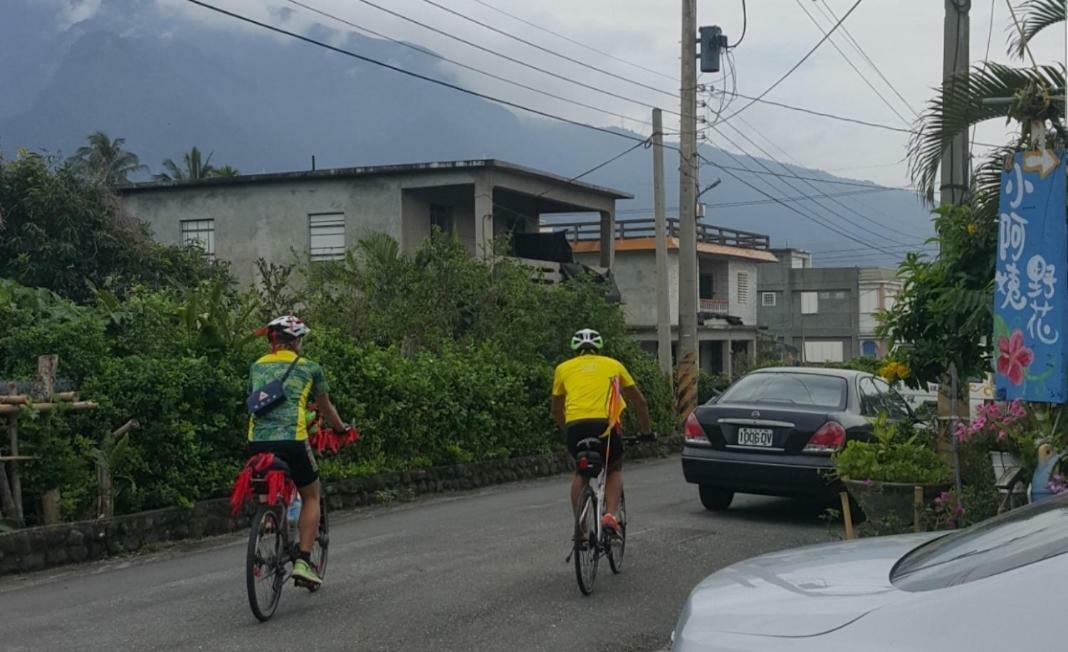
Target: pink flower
[[1002, 436], [1017, 410], [961, 433], [978, 424], [1014, 358]]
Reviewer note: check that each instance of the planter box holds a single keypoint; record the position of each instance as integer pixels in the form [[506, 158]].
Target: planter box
[[890, 503]]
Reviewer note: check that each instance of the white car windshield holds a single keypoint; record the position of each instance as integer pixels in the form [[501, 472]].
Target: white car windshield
[[1004, 543]]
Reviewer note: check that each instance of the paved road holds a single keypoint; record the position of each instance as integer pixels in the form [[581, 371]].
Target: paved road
[[477, 571]]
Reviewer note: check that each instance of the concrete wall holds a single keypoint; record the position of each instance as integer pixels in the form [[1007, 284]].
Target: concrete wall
[[270, 221], [635, 275], [837, 317], [746, 310]]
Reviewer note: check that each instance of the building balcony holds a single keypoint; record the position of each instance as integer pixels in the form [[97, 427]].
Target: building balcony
[[646, 228], [719, 306]]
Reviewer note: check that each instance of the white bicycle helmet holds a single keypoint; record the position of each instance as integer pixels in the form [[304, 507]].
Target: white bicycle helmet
[[587, 338], [289, 325]]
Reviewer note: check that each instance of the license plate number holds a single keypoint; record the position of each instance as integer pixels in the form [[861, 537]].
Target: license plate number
[[754, 437]]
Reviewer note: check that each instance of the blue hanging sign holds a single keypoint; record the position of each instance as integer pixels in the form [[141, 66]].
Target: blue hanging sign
[[1030, 316]]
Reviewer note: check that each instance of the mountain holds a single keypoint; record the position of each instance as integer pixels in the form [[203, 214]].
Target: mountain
[[264, 103]]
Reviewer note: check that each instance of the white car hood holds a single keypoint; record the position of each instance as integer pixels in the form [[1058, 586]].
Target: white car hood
[[796, 593]]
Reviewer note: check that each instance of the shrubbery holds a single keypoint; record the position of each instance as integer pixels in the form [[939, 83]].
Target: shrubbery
[[438, 359]]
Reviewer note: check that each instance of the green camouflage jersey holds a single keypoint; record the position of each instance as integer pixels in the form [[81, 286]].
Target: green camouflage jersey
[[289, 420]]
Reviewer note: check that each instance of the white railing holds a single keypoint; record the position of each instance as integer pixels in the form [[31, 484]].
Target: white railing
[[715, 305]]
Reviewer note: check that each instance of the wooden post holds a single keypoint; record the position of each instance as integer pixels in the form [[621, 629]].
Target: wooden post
[[847, 515], [7, 501], [50, 512], [13, 437], [917, 508]]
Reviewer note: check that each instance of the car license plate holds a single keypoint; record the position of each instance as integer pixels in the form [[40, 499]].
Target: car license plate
[[755, 437]]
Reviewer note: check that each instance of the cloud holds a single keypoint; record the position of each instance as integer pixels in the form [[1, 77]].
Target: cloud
[[73, 12]]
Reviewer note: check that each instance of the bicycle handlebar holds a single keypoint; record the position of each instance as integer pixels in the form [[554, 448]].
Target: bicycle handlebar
[[642, 439]]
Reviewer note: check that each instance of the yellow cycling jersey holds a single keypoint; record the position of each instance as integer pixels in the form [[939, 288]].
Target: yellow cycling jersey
[[586, 383]]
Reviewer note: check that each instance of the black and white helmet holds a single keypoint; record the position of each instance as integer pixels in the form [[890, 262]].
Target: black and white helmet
[[289, 325], [587, 338]]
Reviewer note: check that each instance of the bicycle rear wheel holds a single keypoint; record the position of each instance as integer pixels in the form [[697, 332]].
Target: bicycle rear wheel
[[617, 545], [321, 547], [265, 563], [586, 552]]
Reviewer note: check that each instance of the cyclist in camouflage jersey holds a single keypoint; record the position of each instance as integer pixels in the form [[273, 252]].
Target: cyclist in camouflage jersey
[[283, 430]]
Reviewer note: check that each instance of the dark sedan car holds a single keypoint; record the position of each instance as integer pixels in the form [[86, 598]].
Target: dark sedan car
[[774, 430]]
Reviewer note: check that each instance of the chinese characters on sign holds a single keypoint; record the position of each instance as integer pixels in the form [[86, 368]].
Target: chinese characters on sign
[[1030, 331]]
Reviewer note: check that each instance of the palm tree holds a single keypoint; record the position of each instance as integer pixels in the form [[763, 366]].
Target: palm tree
[[105, 159], [226, 171], [194, 169], [990, 91]]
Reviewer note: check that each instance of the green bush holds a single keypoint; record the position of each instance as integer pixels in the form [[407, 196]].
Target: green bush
[[892, 455]]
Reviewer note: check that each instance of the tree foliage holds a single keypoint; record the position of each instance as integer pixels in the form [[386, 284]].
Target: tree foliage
[[66, 232], [194, 167], [105, 160]]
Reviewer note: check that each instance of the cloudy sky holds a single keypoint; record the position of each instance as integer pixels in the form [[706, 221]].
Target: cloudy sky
[[903, 38]]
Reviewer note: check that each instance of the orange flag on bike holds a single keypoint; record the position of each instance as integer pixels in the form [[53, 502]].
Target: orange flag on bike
[[615, 407]]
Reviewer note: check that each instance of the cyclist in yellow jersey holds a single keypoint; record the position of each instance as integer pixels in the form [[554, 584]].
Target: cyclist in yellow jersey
[[283, 431], [582, 391]]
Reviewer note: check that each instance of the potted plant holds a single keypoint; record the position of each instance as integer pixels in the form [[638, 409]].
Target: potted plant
[[881, 474]]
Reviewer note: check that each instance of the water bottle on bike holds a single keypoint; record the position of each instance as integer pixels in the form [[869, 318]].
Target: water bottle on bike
[[293, 516]]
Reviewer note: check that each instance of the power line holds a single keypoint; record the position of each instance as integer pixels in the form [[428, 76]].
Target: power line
[[799, 63], [756, 202], [431, 53], [833, 16], [823, 114], [806, 216], [811, 185], [574, 41], [837, 182], [852, 65], [542, 48], [745, 27], [790, 207], [506, 57], [409, 73]]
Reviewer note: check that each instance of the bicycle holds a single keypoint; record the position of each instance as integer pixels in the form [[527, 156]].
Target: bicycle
[[591, 541], [273, 539]]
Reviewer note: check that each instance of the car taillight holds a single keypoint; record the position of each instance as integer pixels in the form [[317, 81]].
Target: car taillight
[[693, 430], [827, 439]]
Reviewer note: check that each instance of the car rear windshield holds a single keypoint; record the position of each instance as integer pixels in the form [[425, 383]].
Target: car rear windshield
[[1004, 543], [810, 390]]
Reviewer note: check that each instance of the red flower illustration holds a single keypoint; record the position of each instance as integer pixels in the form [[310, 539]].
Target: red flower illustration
[[1013, 357]]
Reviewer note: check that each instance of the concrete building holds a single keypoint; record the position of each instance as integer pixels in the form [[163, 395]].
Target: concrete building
[[319, 214], [824, 314], [729, 265]]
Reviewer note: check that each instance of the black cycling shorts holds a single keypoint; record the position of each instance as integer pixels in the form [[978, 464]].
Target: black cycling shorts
[[576, 431], [297, 454]]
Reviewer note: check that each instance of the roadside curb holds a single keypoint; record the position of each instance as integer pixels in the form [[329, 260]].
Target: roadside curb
[[40, 548]]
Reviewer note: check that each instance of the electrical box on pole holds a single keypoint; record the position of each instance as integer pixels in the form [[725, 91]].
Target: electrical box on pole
[[712, 42]]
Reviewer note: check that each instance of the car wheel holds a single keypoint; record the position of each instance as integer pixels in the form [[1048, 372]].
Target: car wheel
[[716, 499]]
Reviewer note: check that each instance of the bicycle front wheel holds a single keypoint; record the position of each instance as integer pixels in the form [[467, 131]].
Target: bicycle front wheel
[[321, 546], [585, 553], [617, 545], [265, 563]]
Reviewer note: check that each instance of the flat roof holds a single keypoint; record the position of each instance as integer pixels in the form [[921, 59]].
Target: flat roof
[[377, 170], [649, 244]]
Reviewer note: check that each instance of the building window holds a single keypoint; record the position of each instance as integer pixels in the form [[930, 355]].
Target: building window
[[199, 233], [441, 217], [767, 299], [327, 236], [743, 287], [869, 349], [810, 303], [840, 295], [823, 351], [706, 285]]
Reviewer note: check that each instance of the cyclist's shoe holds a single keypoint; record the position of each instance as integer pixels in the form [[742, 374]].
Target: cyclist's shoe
[[303, 573], [610, 523]]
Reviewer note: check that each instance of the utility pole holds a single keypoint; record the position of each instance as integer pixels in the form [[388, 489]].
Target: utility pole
[[956, 58], [688, 350], [953, 190], [663, 307]]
